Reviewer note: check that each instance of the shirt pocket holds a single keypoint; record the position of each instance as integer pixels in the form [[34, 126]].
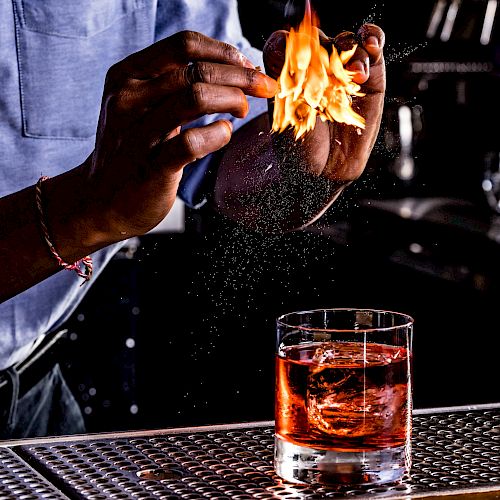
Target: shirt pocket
[[64, 49]]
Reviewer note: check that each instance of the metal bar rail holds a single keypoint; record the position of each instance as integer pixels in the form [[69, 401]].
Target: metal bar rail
[[456, 451]]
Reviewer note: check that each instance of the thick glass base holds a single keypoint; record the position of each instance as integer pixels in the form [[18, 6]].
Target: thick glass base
[[298, 464]]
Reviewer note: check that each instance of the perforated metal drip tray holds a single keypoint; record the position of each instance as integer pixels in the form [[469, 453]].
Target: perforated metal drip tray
[[455, 451]]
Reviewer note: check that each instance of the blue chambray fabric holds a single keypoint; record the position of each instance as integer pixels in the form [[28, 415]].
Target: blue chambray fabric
[[54, 55]]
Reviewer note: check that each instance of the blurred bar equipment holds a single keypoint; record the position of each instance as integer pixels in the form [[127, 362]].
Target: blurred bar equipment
[[444, 121], [436, 211]]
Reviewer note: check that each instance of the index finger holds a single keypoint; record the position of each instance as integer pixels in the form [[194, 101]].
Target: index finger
[[181, 48]]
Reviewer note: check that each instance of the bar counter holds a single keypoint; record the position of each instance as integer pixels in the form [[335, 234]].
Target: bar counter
[[456, 453]]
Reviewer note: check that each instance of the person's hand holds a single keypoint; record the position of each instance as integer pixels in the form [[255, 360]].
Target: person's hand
[[134, 172], [336, 151]]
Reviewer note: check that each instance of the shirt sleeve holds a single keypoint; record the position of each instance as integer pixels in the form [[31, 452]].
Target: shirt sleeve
[[220, 21]]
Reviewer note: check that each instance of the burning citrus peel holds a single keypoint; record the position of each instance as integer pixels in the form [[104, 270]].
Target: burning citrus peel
[[314, 83]]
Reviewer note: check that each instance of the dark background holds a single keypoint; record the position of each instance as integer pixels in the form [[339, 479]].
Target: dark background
[[179, 329]]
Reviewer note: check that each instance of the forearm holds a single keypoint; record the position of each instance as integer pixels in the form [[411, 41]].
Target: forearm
[[25, 255]]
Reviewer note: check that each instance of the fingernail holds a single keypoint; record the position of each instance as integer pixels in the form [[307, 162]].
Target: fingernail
[[372, 40], [229, 125], [271, 85]]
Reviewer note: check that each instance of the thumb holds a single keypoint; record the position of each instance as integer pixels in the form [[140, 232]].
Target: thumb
[[274, 53]]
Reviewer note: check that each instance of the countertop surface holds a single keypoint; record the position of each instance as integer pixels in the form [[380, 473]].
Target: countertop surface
[[455, 453]]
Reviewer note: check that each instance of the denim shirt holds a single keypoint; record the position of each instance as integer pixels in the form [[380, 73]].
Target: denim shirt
[[54, 55]]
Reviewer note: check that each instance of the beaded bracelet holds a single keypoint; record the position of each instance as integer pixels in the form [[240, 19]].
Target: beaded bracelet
[[86, 261]]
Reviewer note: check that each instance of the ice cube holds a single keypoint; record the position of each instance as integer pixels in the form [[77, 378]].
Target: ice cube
[[351, 390], [335, 401], [338, 353], [343, 403], [325, 353], [347, 353]]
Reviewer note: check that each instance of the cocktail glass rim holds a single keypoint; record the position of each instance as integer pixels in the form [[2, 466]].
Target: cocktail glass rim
[[409, 320]]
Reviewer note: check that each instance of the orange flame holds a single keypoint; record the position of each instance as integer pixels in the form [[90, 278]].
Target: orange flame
[[314, 84]]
